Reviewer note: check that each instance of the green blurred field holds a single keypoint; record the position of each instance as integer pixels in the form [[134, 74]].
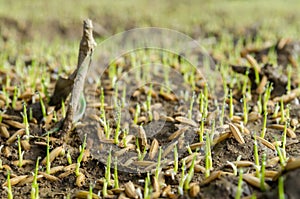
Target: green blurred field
[[272, 19]]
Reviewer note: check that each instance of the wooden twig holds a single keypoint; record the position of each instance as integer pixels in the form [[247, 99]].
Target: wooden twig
[[86, 49]]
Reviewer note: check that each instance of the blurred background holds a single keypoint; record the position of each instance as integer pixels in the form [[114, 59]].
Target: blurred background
[[33, 19]]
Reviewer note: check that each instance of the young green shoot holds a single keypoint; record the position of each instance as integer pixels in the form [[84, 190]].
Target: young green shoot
[[147, 188], [141, 155], [284, 139], [231, 107], [125, 133], [44, 112], [9, 190], [239, 190], [245, 109], [90, 195], [107, 168], [208, 158], [137, 114], [79, 159], [15, 97], [190, 175], [25, 121], [259, 104], [69, 158], [282, 159], [116, 178], [190, 111], [182, 179], [175, 159], [256, 157], [20, 152], [282, 118], [262, 172], [48, 163], [117, 131], [276, 110], [148, 103], [35, 186], [264, 129], [158, 168], [281, 194]]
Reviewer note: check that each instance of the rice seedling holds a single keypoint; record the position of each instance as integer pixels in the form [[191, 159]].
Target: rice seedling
[[231, 106], [8, 188], [116, 178], [208, 157], [20, 152], [69, 158], [262, 172], [256, 157], [239, 190], [136, 114], [281, 194], [147, 187], [25, 121], [190, 175], [79, 159], [34, 194], [182, 179], [148, 103], [48, 162], [158, 167], [107, 169], [117, 131]]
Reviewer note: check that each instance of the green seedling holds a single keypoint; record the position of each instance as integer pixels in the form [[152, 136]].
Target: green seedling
[[256, 157], [245, 109], [125, 133], [147, 188], [158, 167], [182, 179], [107, 168], [137, 114], [239, 190], [35, 186], [20, 152], [280, 152], [103, 120], [276, 110], [43, 107], [104, 189], [117, 131], [79, 159], [48, 163], [208, 158], [175, 159], [201, 130], [190, 174], [264, 129], [123, 97], [90, 196], [69, 158], [148, 103], [15, 97], [259, 104], [25, 121], [284, 139], [190, 111], [282, 111], [231, 108], [267, 96], [262, 172], [8, 188], [281, 194], [141, 155], [116, 178]]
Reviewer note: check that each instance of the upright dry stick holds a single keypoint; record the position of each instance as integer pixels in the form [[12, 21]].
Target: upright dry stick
[[86, 49]]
